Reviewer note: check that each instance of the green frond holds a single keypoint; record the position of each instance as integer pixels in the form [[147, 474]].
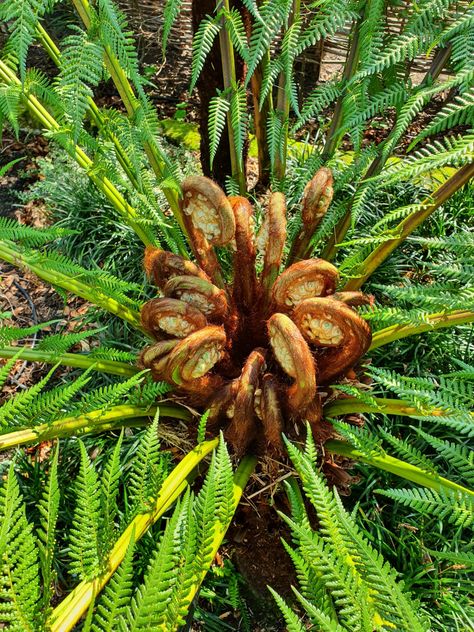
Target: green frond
[[147, 471], [19, 568], [9, 334], [235, 25], [201, 432], [272, 14], [458, 112], [170, 13], [109, 487], [275, 137], [7, 367], [457, 508], [80, 71], [454, 396], [150, 603], [361, 438], [408, 452], [84, 537], [15, 411], [218, 108], [317, 616], [224, 484], [48, 507], [10, 96], [238, 117], [293, 623], [364, 589], [320, 98], [114, 33], [327, 20], [11, 230], [60, 343], [202, 44], [117, 595], [456, 151], [22, 16], [107, 396], [460, 457]]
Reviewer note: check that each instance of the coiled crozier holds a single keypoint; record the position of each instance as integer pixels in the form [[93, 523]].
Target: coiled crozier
[[259, 349]]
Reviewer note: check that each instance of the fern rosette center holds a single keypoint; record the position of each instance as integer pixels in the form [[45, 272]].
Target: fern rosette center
[[258, 351]]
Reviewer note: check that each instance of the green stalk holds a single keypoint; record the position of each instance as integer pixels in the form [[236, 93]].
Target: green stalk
[[74, 606], [132, 105], [102, 183], [93, 295], [435, 321], [340, 231], [95, 421], [400, 468], [350, 67], [383, 406], [230, 81], [283, 106], [260, 117], [76, 360], [409, 224], [55, 55]]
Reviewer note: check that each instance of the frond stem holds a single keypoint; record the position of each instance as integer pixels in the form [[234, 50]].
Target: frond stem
[[383, 406], [283, 106], [230, 81], [435, 321], [76, 360], [409, 224], [398, 467], [95, 421], [94, 295], [350, 67]]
